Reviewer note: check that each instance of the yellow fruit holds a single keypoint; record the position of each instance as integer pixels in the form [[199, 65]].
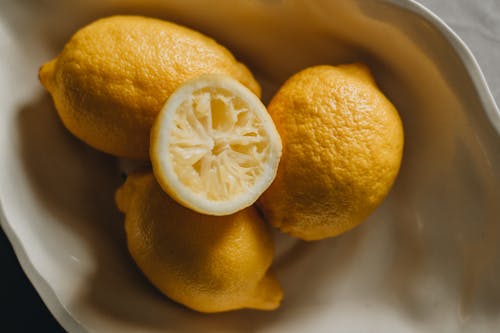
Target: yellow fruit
[[214, 147], [207, 263], [114, 75], [342, 148]]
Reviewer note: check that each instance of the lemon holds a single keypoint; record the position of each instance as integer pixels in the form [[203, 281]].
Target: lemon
[[214, 147], [207, 263], [114, 75], [342, 149]]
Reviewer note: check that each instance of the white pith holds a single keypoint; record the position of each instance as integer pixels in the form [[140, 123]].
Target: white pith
[[218, 147]]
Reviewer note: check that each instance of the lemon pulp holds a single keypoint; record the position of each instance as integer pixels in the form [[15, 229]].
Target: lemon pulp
[[214, 148]]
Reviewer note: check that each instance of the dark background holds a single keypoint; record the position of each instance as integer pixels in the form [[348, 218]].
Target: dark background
[[21, 308]]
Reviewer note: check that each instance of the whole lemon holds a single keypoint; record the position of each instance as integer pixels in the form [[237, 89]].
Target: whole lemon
[[114, 75], [207, 263], [342, 149]]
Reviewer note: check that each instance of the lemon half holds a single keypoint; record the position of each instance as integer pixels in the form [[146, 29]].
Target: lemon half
[[214, 147]]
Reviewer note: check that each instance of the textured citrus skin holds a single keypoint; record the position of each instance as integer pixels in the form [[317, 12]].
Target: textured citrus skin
[[114, 75], [342, 149], [207, 263]]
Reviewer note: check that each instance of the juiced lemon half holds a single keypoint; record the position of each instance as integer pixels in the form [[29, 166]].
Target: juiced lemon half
[[214, 148]]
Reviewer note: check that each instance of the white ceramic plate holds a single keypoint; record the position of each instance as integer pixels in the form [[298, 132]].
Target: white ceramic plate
[[426, 261]]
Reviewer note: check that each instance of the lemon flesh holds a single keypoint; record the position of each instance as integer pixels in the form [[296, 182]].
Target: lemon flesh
[[214, 147]]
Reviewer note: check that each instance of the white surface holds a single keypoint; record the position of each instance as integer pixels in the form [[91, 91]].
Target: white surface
[[478, 25], [427, 261]]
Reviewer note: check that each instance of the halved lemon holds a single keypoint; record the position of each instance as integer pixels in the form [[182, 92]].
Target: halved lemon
[[214, 148]]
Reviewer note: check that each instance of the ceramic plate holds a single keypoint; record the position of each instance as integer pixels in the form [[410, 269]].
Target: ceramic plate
[[426, 261]]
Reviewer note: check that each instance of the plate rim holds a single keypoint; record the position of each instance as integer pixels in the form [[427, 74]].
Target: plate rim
[[488, 104]]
